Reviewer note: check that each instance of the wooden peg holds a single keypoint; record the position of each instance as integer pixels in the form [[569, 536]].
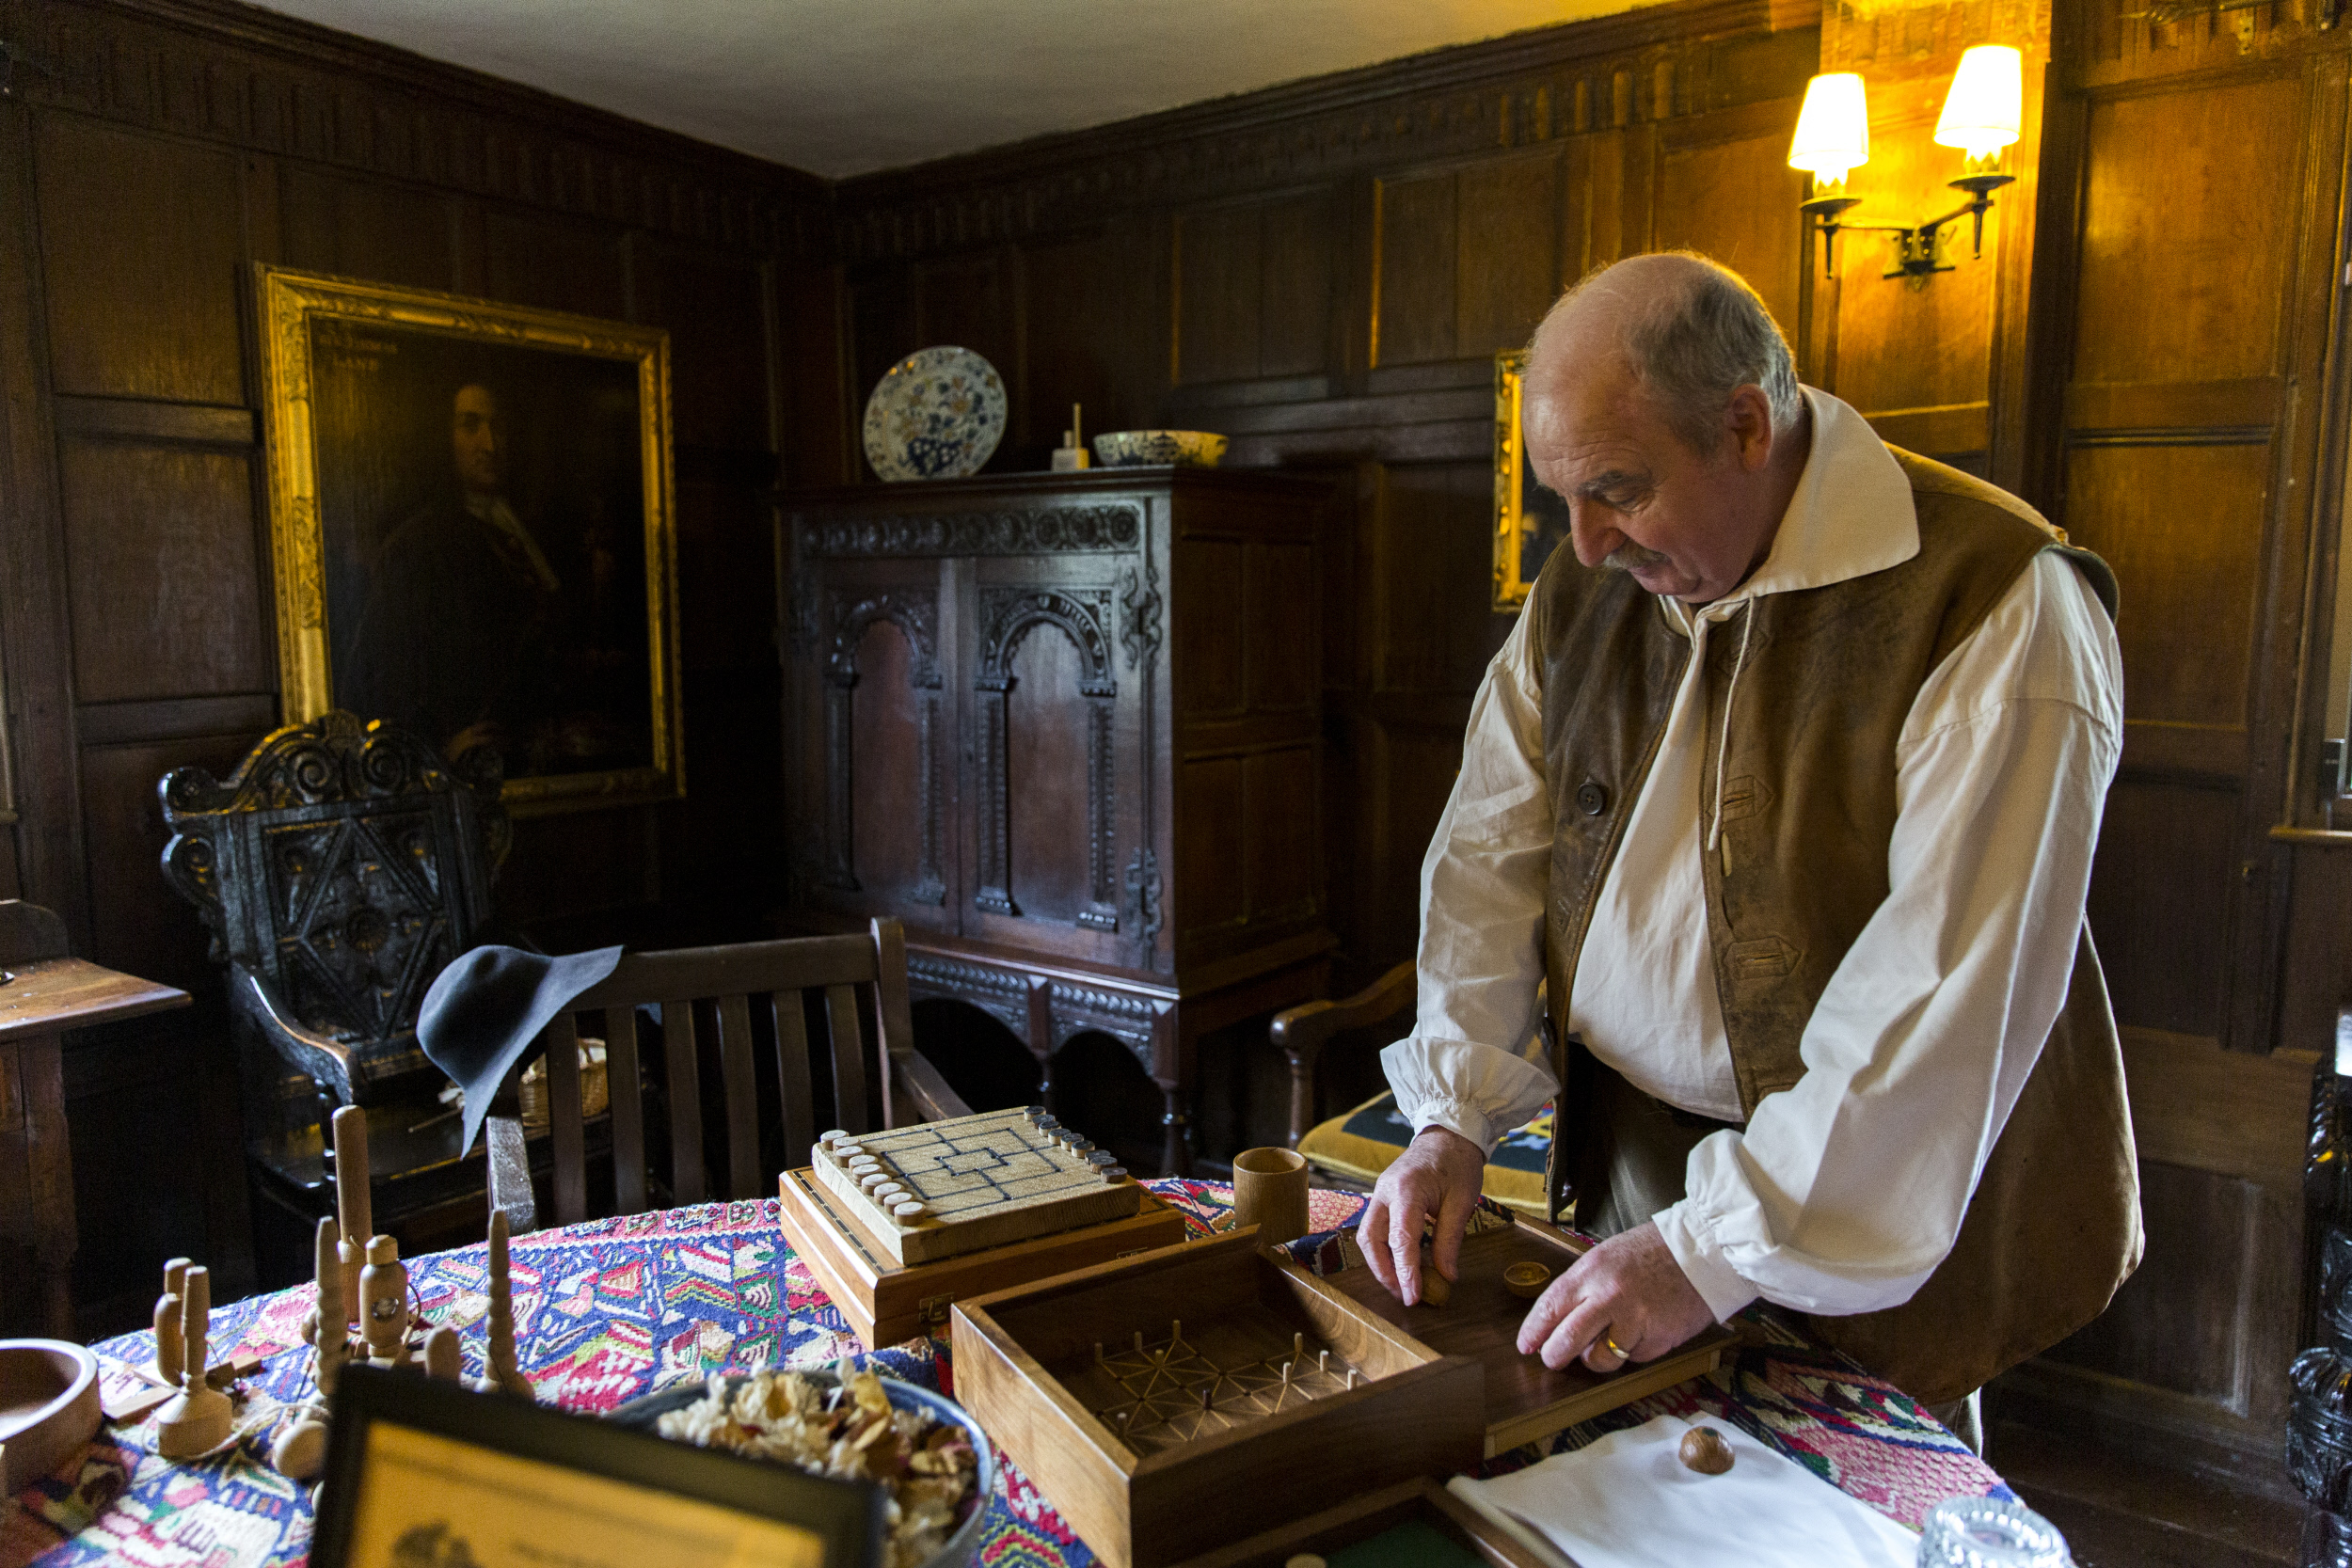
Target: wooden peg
[[199, 1417], [354, 1208], [442, 1358], [384, 1302], [500, 1371], [331, 1334], [169, 1367]]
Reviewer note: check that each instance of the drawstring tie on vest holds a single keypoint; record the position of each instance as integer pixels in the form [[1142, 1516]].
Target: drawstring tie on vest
[[1722, 747]]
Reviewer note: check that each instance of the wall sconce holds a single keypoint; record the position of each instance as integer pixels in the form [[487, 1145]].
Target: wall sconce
[[1982, 116]]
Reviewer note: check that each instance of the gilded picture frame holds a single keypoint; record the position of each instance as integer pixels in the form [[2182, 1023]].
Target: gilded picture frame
[[473, 518], [1530, 522]]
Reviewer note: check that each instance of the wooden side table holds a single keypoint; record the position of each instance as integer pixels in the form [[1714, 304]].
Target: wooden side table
[[48, 993]]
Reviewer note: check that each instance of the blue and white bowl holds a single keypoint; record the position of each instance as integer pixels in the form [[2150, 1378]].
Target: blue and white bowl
[[1135, 449]]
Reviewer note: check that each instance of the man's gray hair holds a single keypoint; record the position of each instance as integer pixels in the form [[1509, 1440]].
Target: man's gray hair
[[1692, 348]]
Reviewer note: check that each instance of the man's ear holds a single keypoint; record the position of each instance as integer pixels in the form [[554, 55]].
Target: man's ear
[[1748, 421]]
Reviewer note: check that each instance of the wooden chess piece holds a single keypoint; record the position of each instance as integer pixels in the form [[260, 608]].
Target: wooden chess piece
[[198, 1419], [331, 1338], [501, 1372], [384, 1302], [355, 1209], [167, 1364], [442, 1358]]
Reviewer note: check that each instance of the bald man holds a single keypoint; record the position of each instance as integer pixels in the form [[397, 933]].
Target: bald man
[[1785, 784]]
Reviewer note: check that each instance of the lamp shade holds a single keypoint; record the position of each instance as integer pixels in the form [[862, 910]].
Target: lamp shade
[[1832, 128], [1981, 112]]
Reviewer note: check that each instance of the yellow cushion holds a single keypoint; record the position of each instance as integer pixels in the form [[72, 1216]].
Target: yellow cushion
[[1362, 1143]]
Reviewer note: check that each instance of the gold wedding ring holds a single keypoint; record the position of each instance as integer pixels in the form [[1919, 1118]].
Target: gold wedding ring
[[1614, 1348]]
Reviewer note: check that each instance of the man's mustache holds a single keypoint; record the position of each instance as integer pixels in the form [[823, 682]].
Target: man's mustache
[[1630, 557]]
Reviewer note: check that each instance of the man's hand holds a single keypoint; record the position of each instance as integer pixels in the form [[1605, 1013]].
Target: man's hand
[[1439, 1173], [1625, 1300]]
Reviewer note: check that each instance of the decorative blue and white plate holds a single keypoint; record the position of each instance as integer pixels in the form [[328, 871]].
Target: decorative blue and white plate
[[937, 415]]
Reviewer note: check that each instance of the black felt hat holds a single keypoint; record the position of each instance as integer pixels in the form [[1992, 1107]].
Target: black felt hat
[[485, 1008]]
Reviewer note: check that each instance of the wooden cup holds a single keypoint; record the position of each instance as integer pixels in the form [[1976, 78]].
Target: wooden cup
[[1270, 1191]]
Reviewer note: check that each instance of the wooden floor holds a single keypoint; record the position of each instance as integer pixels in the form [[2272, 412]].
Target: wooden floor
[[2120, 1513]]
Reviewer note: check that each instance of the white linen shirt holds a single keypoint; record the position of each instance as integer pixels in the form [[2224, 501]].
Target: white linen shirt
[[1842, 1193]]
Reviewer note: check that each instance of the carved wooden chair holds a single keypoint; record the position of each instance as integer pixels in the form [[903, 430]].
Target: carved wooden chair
[[339, 868], [1351, 1149], [715, 994]]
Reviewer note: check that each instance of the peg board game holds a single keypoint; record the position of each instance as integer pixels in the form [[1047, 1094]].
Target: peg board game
[[1158, 1394], [948, 1187]]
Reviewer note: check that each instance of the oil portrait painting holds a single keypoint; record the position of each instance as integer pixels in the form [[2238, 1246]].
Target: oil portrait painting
[[474, 504]]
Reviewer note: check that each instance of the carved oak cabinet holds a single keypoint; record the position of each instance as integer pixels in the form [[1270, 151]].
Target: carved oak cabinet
[[1067, 728]]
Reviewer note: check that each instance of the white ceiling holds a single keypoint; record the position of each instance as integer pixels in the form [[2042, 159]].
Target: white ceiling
[[844, 86]]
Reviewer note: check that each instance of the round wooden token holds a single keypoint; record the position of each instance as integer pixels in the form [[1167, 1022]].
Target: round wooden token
[[1705, 1451], [1526, 1280], [908, 1208]]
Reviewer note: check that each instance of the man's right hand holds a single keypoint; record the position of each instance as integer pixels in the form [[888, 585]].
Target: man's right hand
[[1438, 1174]]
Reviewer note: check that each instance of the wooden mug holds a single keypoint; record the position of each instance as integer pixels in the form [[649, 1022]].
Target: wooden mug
[[1270, 1191]]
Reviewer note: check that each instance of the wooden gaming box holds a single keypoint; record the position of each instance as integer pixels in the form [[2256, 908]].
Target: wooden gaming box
[[1171, 1404], [886, 1301]]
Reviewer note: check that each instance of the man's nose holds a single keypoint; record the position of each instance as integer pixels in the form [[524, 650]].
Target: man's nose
[[1593, 538]]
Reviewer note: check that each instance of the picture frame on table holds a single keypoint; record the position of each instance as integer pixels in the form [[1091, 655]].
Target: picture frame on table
[[426, 1474], [1529, 521], [473, 529]]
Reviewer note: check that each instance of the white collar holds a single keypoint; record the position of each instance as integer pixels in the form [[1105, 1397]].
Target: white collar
[[1850, 515]]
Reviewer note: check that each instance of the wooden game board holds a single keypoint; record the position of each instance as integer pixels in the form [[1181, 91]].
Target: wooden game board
[[1156, 1394], [948, 1187]]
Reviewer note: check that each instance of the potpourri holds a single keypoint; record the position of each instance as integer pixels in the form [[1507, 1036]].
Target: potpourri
[[850, 1431]]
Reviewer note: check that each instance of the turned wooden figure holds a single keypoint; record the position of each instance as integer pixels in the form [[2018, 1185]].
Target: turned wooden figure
[[330, 1335], [168, 1308], [198, 1419], [501, 1372], [442, 1356], [384, 1302], [354, 1208]]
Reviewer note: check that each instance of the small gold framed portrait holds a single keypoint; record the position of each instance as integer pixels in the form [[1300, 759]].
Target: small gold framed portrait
[[1529, 520], [471, 514]]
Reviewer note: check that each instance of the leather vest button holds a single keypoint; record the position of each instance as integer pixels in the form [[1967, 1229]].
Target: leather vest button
[[1591, 798]]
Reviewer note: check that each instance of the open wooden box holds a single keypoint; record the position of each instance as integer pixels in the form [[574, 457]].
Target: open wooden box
[[1026, 1366], [1419, 1501], [886, 1301], [1049, 1371]]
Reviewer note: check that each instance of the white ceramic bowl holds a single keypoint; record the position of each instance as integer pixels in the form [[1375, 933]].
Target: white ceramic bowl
[[48, 1407], [1133, 448]]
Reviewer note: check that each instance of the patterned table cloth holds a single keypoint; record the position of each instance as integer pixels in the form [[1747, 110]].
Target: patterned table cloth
[[615, 1309]]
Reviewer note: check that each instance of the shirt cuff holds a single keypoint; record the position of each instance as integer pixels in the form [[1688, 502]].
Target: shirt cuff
[[1478, 1091], [1702, 1263]]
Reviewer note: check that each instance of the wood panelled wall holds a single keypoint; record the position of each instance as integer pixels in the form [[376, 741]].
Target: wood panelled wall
[[1324, 273], [177, 143]]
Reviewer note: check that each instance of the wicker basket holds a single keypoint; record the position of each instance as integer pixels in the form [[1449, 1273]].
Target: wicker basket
[[595, 1094]]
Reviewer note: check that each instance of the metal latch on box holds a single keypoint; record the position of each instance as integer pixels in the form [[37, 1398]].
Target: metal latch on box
[[933, 1310]]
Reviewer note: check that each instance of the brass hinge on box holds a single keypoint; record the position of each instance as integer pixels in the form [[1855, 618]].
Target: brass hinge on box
[[933, 1310]]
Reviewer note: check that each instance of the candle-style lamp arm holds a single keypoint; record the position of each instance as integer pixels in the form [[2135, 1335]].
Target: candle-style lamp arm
[[1916, 250]]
